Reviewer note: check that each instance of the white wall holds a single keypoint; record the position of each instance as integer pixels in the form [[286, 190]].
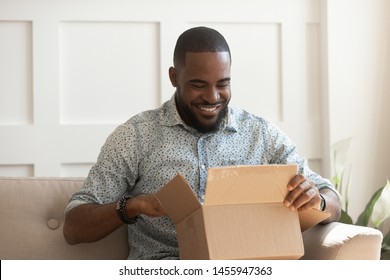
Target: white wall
[[359, 90], [71, 71]]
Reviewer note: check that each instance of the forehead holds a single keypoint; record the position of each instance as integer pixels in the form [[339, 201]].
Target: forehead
[[207, 62], [193, 57]]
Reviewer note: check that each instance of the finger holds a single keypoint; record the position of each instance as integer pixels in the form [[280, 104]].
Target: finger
[[296, 193], [308, 199], [160, 211], [295, 181]]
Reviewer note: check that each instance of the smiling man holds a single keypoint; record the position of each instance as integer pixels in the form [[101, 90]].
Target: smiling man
[[191, 132], [202, 89]]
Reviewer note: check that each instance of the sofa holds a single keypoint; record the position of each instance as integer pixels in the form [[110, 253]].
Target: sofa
[[32, 217]]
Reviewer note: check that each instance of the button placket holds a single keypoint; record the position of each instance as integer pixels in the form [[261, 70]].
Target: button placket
[[202, 169]]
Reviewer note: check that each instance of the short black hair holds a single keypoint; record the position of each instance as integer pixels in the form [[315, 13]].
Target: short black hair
[[199, 39]]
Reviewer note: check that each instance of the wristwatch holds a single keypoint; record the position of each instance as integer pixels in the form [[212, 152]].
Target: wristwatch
[[120, 209], [323, 203]]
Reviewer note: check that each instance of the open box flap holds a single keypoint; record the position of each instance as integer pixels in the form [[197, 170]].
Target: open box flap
[[248, 184], [178, 199]]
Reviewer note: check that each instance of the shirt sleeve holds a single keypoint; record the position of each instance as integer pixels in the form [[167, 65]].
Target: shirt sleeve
[[115, 171], [284, 151]]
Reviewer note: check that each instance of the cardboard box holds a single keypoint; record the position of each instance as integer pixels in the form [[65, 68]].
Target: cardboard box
[[243, 216]]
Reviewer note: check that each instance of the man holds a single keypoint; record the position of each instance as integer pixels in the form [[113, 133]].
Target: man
[[191, 132]]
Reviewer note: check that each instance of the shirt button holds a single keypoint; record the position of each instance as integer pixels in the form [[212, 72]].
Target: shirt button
[[203, 167]]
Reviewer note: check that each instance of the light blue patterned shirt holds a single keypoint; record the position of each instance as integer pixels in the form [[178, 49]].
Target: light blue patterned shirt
[[147, 151]]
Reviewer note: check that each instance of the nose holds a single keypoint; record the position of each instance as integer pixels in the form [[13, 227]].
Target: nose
[[211, 95]]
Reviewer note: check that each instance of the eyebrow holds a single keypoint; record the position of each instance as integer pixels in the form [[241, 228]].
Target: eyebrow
[[199, 81]]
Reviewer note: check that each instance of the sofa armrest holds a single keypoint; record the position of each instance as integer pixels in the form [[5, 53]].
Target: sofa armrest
[[339, 241]]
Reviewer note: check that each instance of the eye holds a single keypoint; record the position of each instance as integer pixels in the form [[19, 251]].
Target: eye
[[197, 85], [224, 84]]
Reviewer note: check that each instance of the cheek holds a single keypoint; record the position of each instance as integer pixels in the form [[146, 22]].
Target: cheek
[[189, 95], [225, 94]]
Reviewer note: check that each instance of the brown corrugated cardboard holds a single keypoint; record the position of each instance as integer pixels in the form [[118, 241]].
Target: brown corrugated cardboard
[[243, 216]]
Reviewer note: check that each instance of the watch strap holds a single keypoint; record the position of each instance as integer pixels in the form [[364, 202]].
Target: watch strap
[[120, 209], [323, 203]]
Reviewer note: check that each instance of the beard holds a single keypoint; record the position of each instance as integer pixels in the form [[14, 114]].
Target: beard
[[190, 118]]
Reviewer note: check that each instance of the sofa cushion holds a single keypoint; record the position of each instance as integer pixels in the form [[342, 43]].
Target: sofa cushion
[[32, 218]]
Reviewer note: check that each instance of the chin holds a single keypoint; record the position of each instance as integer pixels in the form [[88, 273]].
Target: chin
[[209, 127]]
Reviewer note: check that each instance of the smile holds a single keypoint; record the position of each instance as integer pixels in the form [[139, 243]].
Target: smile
[[208, 108]]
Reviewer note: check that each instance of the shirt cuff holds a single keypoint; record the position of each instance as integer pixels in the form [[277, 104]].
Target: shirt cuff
[[72, 204]]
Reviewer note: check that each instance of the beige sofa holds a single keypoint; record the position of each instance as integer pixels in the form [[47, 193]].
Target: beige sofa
[[32, 216]]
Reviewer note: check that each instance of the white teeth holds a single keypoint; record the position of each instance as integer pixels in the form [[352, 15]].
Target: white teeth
[[208, 109]]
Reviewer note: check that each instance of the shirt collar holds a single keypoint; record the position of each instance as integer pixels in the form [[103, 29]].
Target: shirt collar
[[169, 116]]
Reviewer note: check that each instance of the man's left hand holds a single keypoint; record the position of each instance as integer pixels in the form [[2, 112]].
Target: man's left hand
[[303, 194]]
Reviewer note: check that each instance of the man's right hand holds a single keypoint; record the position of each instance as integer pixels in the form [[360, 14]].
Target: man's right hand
[[145, 204], [92, 222]]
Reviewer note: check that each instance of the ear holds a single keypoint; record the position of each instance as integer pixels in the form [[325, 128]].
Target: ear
[[173, 76]]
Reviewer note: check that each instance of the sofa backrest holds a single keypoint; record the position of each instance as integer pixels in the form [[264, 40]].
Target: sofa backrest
[[32, 217]]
